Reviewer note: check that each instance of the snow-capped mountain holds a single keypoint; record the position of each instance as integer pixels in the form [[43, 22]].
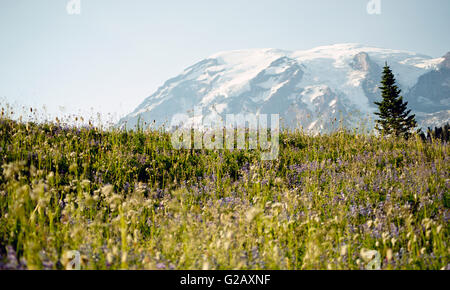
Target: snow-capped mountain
[[314, 89]]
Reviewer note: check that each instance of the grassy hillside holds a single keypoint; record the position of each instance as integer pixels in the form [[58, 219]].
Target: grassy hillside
[[128, 200]]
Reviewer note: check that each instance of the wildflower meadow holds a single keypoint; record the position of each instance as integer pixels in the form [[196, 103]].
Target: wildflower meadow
[[129, 200]]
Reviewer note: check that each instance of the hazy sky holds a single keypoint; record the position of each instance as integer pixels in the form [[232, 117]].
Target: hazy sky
[[117, 52]]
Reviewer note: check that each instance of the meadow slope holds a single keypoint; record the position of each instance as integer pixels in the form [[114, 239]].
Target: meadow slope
[[127, 200]]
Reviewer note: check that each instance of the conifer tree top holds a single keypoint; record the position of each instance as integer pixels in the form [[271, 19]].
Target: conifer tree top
[[394, 116]]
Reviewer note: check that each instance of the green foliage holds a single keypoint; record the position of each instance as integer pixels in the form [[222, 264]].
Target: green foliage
[[129, 200], [394, 116]]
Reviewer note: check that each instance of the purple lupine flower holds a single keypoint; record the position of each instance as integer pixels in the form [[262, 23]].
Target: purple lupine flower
[[161, 266], [126, 186]]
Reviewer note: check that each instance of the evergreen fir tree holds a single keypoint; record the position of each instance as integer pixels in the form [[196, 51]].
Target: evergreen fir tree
[[394, 116]]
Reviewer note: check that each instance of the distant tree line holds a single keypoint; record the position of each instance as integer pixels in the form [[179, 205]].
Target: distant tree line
[[438, 133]]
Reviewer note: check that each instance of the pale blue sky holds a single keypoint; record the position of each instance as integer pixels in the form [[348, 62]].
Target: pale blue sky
[[117, 52]]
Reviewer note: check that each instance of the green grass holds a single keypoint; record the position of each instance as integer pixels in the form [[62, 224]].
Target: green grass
[[127, 200]]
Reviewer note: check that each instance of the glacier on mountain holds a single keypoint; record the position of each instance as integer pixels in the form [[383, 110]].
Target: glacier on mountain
[[317, 90]]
